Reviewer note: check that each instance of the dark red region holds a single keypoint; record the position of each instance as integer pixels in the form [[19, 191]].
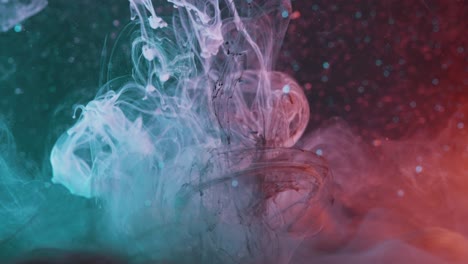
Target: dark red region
[[389, 68]]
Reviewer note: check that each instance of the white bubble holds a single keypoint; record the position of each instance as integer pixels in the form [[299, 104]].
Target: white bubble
[[19, 91], [419, 169], [150, 88], [400, 193], [149, 53], [164, 77], [156, 22], [234, 183]]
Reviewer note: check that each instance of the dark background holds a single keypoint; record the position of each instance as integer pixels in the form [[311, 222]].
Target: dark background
[[396, 67]]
